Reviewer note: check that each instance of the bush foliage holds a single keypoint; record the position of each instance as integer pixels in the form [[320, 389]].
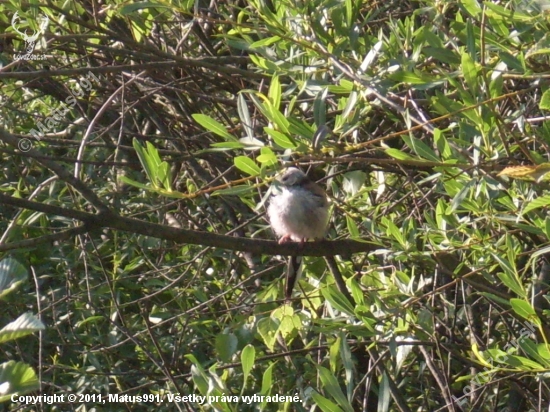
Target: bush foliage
[[138, 145]]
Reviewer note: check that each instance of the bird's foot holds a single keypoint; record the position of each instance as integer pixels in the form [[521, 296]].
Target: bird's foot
[[285, 239], [288, 238]]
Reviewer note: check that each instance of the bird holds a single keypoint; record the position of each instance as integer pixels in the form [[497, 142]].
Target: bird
[[297, 212]]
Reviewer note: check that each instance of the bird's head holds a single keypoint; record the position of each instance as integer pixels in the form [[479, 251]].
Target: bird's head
[[293, 176]]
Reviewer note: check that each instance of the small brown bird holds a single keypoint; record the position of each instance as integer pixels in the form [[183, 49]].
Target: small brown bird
[[299, 211]]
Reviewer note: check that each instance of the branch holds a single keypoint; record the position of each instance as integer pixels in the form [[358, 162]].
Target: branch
[[214, 64], [51, 238], [110, 220]]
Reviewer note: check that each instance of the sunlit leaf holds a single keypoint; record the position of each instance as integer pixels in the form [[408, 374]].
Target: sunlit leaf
[[281, 139], [12, 274], [247, 165], [248, 356], [22, 326], [525, 310], [213, 125], [17, 378], [544, 103], [398, 154]]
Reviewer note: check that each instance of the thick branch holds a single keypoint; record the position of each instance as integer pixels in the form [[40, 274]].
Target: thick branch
[[110, 220], [214, 64]]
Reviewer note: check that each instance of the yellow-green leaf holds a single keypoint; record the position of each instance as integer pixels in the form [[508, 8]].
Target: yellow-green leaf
[[214, 126], [247, 165]]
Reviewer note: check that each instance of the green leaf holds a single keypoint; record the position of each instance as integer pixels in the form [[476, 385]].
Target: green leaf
[[164, 176], [12, 275], [131, 182], [237, 190], [469, 71], [442, 144], [509, 276], [545, 100], [247, 165], [147, 161], [523, 364], [350, 105], [156, 169], [494, 298], [337, 300], [460, 196], [398, 154], [395, 232], [320, 107], [348, 4], [268, 41], [347, 363], [541, 47], [199, 376], [420, 148], [538, 352], [131, 8], [334, 351], [244, 115], [442, 55], [471, 7], [91, 320], [343, 87], [269, 111], [251, 143], [525, 310], [277, 118], [356, 293], [325, 404], [17, 378], [332, 387], [226, 346], [267, 328], [267, 380], [263, 63], [248, 357], [354, 181], [167, 193], [214, 126], [411, 78], [384, 395], [24, 325], [281, 139], [300, 127], [513, 16], [352, 227], [267, 157], [274, 93]]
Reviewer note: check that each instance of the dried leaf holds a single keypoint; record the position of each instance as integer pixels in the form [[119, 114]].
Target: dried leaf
[[531, 173]]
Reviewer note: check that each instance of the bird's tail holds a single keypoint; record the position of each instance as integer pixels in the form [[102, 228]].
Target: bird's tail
[[293, 273]]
